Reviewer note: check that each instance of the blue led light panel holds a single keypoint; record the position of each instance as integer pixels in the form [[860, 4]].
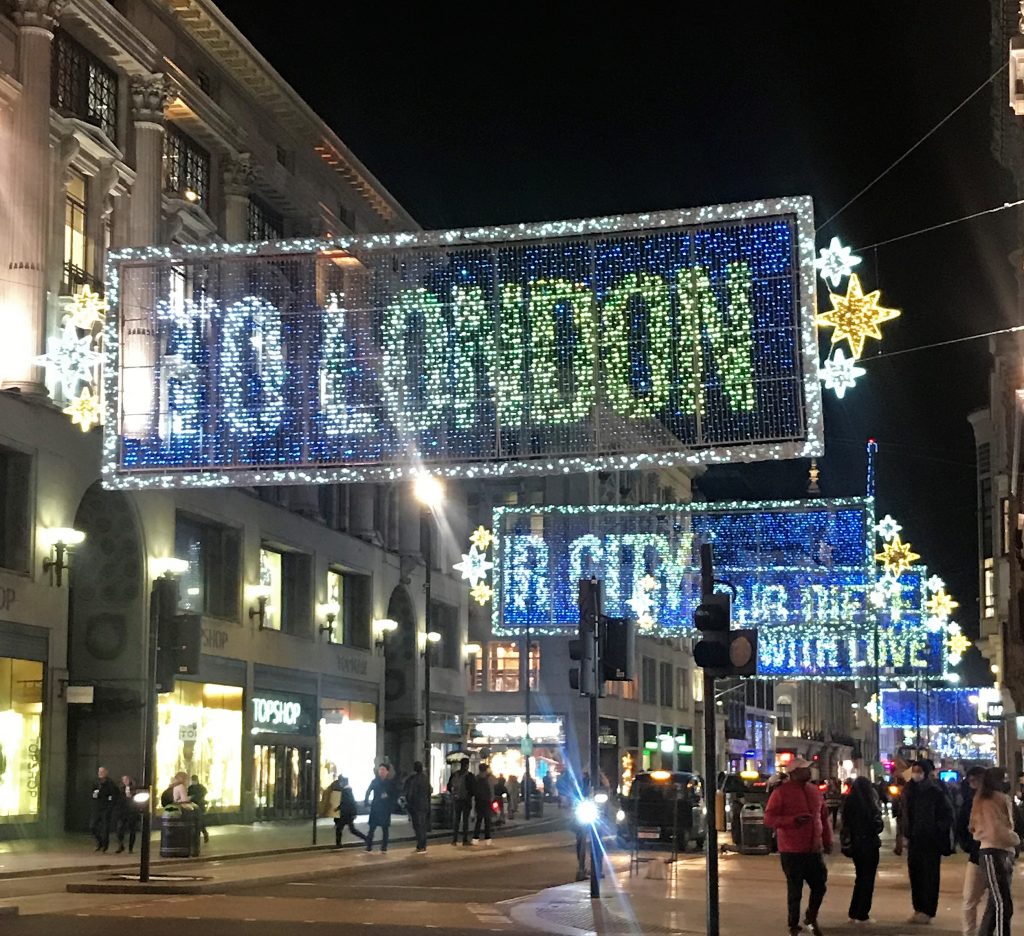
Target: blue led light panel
[[803, 573], [679, 337], [931, 707]]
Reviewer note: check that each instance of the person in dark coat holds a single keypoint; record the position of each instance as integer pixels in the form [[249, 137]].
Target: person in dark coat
[[197, 794], [104, 806], [483, 797], [861, 841], [347, 811], [128, 817], [417, 803], [927, 825], [975, 885], [382, 798], [461, 786]]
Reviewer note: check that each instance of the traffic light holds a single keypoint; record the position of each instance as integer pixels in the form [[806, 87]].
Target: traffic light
[[618, 648], [582, 648], [721, 650]]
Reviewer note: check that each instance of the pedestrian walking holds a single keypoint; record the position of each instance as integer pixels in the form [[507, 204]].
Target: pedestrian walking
[[197, 796], [797, 812], [461, 786], [347, 810], [381, 797], [992, 827], [512, 790], [861, 840], [417, 803], [927, 825], [104, 804], [483, 797], [975, 884], [834, 801], [127, 814]]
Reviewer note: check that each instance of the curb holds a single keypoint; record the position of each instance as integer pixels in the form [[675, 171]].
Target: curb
[[212, 887], [231, 856], [8, 911]]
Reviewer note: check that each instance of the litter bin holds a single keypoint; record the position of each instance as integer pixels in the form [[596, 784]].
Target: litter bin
[[537, 806], [179, 833], [755, 837]]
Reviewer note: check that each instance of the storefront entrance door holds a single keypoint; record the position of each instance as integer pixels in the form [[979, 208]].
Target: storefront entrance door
[[283, 781]]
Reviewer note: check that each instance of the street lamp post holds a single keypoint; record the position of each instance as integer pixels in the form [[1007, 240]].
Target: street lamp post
[[429, 491]]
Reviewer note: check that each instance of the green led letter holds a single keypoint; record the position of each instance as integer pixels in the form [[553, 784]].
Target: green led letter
[[475, 357], [413, 367], [620, 342]]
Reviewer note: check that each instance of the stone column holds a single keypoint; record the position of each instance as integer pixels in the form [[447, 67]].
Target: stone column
[[239, 176], [140, 287], [25, 295]]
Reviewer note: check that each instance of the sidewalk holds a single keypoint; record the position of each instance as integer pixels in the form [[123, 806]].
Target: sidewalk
[[753, 900], [76, 852]]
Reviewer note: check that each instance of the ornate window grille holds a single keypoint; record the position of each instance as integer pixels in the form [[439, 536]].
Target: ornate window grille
[[83, 86], [186, 167]]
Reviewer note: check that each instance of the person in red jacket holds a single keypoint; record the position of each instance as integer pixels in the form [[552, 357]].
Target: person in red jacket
[[799, 816]]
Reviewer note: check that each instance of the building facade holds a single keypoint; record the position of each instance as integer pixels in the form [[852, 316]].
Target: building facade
[[141, 122]]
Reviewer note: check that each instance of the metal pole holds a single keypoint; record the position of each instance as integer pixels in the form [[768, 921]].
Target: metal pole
[[528, 700], [429, 559], [707, 578], [595, 760]]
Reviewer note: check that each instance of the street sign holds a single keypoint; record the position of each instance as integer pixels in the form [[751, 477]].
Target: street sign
[[526, 746]]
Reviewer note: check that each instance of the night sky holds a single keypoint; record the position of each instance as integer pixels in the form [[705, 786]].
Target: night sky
[[509, 113]]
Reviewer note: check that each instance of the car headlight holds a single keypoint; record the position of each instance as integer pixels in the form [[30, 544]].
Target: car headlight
[[620, 816]]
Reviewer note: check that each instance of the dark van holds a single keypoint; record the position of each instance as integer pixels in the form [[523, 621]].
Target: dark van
[[662, 804]]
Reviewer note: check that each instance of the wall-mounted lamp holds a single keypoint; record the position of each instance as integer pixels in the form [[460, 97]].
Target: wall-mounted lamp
[[169, 566], [330, 611], [471, 651], [59, 541], [381, 628], [430, 637], [261, 595]]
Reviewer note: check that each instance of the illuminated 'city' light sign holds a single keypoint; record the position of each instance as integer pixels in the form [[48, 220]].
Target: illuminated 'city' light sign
[[679, 337], [803, 574]]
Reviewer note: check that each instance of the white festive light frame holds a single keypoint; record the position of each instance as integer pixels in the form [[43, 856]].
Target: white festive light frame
[[807, 443]]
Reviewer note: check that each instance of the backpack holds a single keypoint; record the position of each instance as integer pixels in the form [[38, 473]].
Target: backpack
[[167, 797]]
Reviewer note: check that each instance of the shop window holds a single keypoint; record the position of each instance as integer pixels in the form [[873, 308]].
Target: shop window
[[649, 680], [186, 168], [351, 593], [77, 261], [82, 86], [199, 731], [21, 711], [534, 666], [210, 586], [629, 691], [348, 743], [444, 620], [698, 685], [263, 224], [288, 576], [15, 468], [503, 667], [682, 689], [476, 682], [336, 594]]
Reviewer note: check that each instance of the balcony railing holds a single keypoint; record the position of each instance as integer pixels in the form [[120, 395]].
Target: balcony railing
[[74, 278]]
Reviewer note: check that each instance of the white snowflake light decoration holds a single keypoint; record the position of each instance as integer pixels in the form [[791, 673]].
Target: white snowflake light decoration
[[474, 566], [641, 604], [840, 373], [935, 584], [72, 357], [836, 262], [887, 528]]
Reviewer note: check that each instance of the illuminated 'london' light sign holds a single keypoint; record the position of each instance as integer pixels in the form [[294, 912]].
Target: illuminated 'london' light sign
[[803, 574], [665, 338]]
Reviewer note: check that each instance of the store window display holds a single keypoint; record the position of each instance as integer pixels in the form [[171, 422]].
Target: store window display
[[199, 731], [348, 743], [21, 711]]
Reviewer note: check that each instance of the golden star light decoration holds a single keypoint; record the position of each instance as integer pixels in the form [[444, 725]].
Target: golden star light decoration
[[84, 410], [941, 605], [482, 539], [87, 308], [957, 644], [855, 316], [897, 557], [481, 593]]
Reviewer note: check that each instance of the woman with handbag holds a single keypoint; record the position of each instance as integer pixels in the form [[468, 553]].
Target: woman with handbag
[[860, 840]]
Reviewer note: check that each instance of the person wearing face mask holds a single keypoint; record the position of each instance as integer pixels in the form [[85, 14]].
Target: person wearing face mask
[[927, 825]]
